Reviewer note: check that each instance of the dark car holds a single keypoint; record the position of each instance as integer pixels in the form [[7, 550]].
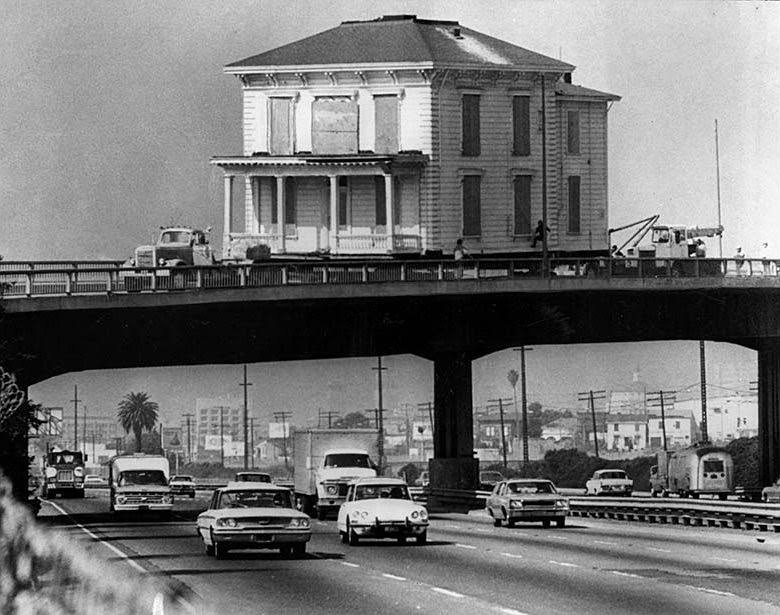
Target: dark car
[[489, 479]]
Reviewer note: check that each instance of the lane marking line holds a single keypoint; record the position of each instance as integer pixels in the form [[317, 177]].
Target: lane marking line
[[447, 592], [94, 536], [512, 555], [387, 575], [350, 564], [566, 564], [558, 537], [724, 559], [482, 530], [508, 611], [462, 546], [717, 592], [625, 574], [605, 542], [659, 550], [452, 525]]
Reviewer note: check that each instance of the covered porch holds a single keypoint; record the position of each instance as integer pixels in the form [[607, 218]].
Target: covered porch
[[363, 204]]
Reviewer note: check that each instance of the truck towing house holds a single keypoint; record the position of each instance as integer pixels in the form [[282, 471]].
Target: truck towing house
[[399, 135]]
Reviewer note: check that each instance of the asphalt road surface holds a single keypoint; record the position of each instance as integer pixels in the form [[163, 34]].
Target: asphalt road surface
[[468, 566]]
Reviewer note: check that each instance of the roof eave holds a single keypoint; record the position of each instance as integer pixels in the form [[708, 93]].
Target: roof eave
[[233, 69]]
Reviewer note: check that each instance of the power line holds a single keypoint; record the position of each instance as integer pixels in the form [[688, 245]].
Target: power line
[[500, 402], [76, 401], [659, 399], [282, 417], [187, 416], [380, 439]]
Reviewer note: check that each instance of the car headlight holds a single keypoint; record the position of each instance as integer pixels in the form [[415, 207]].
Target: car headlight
[[562, 504], [120, 499], [359, 514], [299, 523], [414, 514], [161, 262], [78, 471], [516, 504], [423, 514], [167, 499], [51, 472], [332, 489], [227, 522]]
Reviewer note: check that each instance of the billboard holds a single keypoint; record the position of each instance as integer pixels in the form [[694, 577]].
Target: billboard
[[232, 448], [172, 439], [278, 431]]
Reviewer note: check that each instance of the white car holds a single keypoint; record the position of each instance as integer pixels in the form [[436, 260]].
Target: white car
[[182, 484], [381, 508], [609, 482], [247, 515]]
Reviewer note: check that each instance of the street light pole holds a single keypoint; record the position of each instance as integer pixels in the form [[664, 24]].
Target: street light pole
[[245, 386]]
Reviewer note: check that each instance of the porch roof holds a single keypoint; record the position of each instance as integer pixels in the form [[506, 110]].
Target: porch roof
[[355, 164]]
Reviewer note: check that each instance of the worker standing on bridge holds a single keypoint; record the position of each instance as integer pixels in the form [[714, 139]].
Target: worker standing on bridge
[[739, 260], [461, 252], [765, 259], [701, 249], [539, 233]]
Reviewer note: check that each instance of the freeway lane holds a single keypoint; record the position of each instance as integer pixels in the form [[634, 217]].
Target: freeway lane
[[591, 566]]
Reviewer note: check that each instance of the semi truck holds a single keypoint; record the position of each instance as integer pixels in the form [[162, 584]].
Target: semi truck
[[63, 474], [139, 483], [693, 472], [326, 461]]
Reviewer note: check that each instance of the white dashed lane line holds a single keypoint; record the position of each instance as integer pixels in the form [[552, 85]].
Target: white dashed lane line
[[565, 564], [387, 575], [717, 592], [605, 542], [659, 550], [514, 555], [350, 564], [511, 611], [625, 574], [462, 546], [724, 559], [447, 592]]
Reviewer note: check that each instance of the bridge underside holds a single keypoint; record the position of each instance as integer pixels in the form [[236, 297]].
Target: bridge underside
[[450, 329]]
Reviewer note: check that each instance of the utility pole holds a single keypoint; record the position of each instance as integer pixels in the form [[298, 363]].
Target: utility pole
[[429, 406], [380, 438], [501, 418], [222, 436], [188, 416], [252, 438], [705, 438], [75, 401], [118, 443], [523, 399], [717, 175], [283, 416], [330, 414], [84, 426], [591, 396], [246, 386], [660, 399]]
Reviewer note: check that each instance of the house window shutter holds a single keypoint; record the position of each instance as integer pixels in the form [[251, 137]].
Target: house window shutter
[[573, 132], [289, 200], [274, 210], [281, 133], [386, 124], [380, 208], [522, 205], [472, 225], [470, 114], [574, 204], [521, 124]]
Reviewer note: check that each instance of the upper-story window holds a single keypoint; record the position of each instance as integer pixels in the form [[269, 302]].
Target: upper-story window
[[380, 205], [334, 125], [522, 189], [472, 220], [574, 204], [470, 131], [280, 142], [386, 124], [344, 203], [521, 125], [573, 132]]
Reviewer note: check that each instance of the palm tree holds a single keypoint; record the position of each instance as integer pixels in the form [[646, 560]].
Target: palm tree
[[137, 413]]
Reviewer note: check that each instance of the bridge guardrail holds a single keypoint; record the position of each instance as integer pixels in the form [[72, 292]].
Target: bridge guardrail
[[38, 279]]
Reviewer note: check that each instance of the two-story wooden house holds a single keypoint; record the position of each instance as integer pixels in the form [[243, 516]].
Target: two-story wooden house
[[400, 135]]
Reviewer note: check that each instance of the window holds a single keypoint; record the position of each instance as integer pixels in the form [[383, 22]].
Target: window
[[280, 142], [615, 427], [521, 125], [334, 125], [574, 204], [677, 424], [573, 132], [470, 116], [274, 210], [522, 186], [472, 225], [379, 192], [660, 424], [343, 212], [290, 198], [636, 427], [386, 124]]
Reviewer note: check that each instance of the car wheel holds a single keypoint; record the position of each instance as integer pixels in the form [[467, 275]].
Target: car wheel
[[220, 551], [299, 550], [209, 549], [422, 538], [505, 517], [285, 551], [352, 537], [401, 540], [561, 522], [496, 522], [343, 537], [546, 523]]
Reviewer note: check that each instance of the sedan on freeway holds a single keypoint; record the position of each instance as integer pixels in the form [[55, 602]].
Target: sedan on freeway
[[527, 499], [381, 508], [609, 482], [181, 484], [247, 515]]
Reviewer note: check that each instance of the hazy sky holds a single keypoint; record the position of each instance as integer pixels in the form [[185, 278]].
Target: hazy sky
[[110, 111]]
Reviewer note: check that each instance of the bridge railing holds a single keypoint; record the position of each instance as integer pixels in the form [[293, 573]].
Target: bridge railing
[[36, 279]]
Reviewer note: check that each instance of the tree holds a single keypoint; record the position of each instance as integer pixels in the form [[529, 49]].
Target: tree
[[137, 413], [354, 420]]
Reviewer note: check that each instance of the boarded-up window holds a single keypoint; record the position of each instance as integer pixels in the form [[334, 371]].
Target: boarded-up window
[[574, 204], [343, 209], [521, 125], [379, 192], [472, 224], [274, 208], [281, 127], [386, 124], [573, 132], [334, 125], [522, 205], [470, 114], [290, 197]]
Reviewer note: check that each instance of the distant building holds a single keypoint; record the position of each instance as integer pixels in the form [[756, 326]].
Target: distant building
[[630, 399], [680, 430], [728, 416], [626, 432], [215, 417], [560, 429]]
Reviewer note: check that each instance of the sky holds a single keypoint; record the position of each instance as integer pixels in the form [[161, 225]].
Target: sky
[[110, 112]]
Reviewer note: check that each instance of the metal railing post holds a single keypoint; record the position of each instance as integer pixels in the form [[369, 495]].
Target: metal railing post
[[68, 282], [365, 272], [153, 285], [198, 278], [325, 274], [696, 269], [242, 276], [28, 282], [440, 271], [284, 275], [403, 272]]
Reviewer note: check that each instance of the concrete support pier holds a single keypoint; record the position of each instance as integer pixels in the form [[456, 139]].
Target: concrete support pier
[[454, 465], [769, 409]]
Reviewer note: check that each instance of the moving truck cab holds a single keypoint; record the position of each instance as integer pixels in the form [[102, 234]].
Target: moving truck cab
[[140, 483]]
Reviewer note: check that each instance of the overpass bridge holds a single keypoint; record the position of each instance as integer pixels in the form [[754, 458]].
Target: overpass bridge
[[96, 315]]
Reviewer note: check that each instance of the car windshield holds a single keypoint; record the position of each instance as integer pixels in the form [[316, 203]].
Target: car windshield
[[256, 498], [347, 460], [248, 477], [175, 237], [490, 477], [372, 492], [142, 477], [531, 487], [612, 474], [713, 465], [59, 458], [182, 478]]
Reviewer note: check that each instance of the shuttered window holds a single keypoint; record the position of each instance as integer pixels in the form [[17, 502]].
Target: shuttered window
[[379, 191], [521, 125], [386, 124], [343, 208], [274, 209], [522, 185], [472, 224], [334, 125], [470, 115], [573, 132], [290, 197], [280, 143], [574, 204]]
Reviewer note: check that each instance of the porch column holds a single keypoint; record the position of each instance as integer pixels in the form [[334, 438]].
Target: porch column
[[389, 213], [281, 222], [334, 212], [228, 215], [255, 190]]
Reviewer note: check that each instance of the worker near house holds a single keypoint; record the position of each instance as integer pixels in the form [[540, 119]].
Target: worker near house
[[701, 249], [765, 259], [461, 252], [539, 233], [739, 260]]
